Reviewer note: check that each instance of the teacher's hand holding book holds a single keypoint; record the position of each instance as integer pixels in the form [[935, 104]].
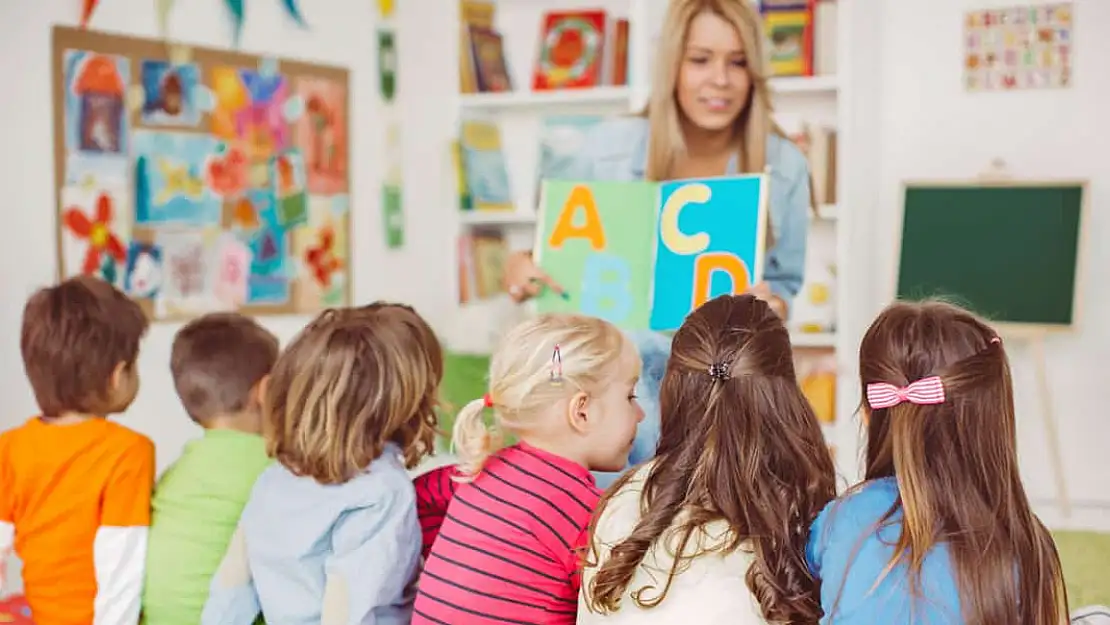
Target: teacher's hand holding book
[[523, 280]]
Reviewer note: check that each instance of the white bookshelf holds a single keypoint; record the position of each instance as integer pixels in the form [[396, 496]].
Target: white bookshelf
[[818, 100]]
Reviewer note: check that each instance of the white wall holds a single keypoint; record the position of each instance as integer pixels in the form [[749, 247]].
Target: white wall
[[931, 128], [342, 32]]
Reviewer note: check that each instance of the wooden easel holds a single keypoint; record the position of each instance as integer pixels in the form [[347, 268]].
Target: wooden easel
[[1035, 339]]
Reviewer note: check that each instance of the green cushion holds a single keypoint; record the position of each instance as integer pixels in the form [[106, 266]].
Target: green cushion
[[464, 379], [1085, 556]]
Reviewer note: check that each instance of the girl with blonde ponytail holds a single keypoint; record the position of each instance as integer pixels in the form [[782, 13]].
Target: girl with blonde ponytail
[[508, 550]]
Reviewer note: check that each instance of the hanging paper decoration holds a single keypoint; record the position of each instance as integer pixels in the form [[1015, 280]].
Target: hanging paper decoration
[[236, 8], [162, 10], [291, 7], [387, 64], [385, 7], [87, 8]]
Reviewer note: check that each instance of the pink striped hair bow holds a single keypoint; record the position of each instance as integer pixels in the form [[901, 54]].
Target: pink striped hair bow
[[928, 390]]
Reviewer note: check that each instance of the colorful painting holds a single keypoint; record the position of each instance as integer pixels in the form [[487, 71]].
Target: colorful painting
[[322, 247], [1026, 47], [143, 274], [249, 108], [95, 88], [170, 179], [321, 134], [288, 178], [95, 224], [201, 181], [169, 93], [643, 255]]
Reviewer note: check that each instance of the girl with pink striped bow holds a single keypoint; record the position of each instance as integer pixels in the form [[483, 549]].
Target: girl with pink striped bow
[[941, 530]]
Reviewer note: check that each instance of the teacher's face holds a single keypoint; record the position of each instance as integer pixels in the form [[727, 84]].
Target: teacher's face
[[713, 80]]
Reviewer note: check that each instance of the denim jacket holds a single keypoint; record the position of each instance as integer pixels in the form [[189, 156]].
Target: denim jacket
[[617, 150]]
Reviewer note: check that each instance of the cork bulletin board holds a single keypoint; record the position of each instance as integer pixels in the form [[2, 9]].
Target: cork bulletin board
[[198, 179]]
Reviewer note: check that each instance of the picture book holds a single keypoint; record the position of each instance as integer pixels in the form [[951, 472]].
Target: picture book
[[489, 60], [571, 50], [790, 33], [487, 176], [643, 255], [471, 13]]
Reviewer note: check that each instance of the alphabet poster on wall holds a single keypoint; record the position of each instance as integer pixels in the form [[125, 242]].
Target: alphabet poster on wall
[[200, 181], [643, 255]]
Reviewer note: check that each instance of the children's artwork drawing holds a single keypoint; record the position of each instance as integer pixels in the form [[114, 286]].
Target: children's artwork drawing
[[249, 108], [169, 93], [94, 109], [211, 181], [1024, 47], [321, 134], [288, 177], [143, 275], [95, 224], [170, 179]]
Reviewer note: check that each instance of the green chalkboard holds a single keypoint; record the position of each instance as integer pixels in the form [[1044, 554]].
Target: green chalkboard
[[1008, 252]]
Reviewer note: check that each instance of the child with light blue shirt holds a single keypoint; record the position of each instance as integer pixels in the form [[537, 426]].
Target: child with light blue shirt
[[330, 534], [941, 531]]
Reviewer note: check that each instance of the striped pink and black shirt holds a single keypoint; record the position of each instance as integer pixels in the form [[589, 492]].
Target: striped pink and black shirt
[[507, 551], [434, 491]]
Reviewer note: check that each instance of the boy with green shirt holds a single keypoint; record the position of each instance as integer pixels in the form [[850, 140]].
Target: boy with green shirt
[[218, 364]]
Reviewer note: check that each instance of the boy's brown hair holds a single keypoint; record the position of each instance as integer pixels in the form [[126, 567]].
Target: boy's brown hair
[[352, 381], [217, 360], [74, 335]]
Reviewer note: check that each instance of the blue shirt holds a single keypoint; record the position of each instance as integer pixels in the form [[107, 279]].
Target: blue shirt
[[848, 551], [617, 150], [303, 544]]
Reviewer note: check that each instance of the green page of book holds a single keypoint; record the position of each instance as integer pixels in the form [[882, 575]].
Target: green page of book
[[597, 240]]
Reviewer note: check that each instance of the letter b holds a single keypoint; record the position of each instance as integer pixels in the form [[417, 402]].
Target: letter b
[[605, 287]]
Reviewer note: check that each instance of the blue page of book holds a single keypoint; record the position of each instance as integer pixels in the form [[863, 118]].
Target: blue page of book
[[709, 242]]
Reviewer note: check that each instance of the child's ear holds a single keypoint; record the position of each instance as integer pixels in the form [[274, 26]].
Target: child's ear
[[259, 391], [578, 412], [119, 376]]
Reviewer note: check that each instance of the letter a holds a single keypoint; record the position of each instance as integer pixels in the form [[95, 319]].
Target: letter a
[[706, 264], [565, 228]]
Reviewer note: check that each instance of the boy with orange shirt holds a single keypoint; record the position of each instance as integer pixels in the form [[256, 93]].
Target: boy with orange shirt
[[75, 487]]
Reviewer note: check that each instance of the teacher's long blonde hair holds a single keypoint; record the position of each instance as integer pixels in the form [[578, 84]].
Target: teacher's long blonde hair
[[754, 123]]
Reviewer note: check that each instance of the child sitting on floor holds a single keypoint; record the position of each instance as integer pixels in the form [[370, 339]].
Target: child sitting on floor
[[74, 486], [218, 363], [330, 534], [508, 550], [941, 530], [741, 470]]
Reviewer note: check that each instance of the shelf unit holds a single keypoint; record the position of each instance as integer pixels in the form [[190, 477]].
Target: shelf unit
[[816, 99]]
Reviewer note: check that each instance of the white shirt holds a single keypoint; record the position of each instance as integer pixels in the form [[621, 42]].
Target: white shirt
[[707, 590]]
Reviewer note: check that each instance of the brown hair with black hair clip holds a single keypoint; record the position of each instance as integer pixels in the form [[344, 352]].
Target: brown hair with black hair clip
[[738, 442]]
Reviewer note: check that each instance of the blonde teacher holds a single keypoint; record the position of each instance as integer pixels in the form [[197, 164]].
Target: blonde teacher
[[709, 114]]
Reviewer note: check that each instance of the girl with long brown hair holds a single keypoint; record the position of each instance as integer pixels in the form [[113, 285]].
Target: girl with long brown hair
[[941, 530], [740, 472]]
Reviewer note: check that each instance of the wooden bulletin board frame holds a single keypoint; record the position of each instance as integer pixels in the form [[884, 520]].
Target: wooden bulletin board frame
[[136, 50], [1011, 329]]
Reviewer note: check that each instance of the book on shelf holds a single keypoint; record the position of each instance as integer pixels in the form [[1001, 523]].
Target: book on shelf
[[571, 50], [477, 13], [481, 262], [615, 71], [789, 27], [817, 379], [818, 144], [465, 201], [483, 162], [491, 74], [642, 254]]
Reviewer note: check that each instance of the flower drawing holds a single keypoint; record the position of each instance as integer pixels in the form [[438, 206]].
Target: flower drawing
[[321, 258], [97, 232]]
